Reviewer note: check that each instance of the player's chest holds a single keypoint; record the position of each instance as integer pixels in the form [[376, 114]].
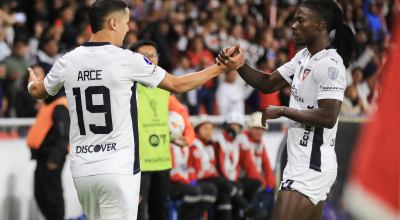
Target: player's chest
[[303, 86]]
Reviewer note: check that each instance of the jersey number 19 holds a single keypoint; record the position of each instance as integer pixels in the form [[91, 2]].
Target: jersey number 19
[[105, 108]]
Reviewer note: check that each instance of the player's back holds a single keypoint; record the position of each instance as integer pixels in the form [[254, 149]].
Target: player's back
[[100, 84]]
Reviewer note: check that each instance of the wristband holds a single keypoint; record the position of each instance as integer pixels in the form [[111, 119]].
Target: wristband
[[29, 86]]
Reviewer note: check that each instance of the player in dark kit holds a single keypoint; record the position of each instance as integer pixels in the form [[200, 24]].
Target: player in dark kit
[[317, 77]]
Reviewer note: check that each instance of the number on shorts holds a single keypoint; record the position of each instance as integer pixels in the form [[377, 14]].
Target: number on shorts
[[287, 185]]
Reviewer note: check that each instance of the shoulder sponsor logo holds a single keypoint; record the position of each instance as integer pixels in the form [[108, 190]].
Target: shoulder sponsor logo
[[334, 61], [95, 148], [147, 61], [333, 73], [299, 62]]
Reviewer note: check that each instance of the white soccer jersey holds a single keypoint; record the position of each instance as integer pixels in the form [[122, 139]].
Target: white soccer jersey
[[100, 84], [321, 76]]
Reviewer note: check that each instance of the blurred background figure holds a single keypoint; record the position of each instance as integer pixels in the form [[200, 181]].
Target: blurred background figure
[[48, 139], [26, 106], [252, 140], [353, 104], [234, 102], [16, 69]]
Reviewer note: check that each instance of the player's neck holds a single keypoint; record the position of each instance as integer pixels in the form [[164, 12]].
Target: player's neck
[[102, 37], [318, 45]]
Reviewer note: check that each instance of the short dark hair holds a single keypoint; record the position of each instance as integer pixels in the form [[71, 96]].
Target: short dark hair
[[21, 38], [135, 47], [100, 9]]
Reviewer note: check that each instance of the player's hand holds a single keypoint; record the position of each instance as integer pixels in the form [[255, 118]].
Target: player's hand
[[32, 76], [272, 112], [181, 142], [52, 165], [231, 59]]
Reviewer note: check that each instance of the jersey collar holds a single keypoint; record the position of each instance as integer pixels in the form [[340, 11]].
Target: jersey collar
[[330, 47], [95, 44]]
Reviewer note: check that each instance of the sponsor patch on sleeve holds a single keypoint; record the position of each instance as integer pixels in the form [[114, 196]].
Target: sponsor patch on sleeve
[[331, 89]]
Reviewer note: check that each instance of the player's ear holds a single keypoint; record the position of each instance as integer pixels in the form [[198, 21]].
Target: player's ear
[[320, 25], [113, 23]]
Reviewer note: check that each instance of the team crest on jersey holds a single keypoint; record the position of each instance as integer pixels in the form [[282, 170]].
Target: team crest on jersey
[[306, 72], [333, 73], [147, 61]]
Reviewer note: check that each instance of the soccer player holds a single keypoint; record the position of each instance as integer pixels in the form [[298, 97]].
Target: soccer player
[[317, 77], [100, 83]]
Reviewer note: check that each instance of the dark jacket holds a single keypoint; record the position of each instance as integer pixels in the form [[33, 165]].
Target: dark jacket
[[55, 146]]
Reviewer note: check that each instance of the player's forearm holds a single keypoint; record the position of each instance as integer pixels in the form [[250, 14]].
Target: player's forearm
[[314, 117], [255, 78], [193, 80], [38, 91]]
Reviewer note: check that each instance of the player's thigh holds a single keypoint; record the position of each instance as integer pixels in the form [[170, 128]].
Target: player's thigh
[[118, 196], [292, 205], [87, 196], [317, 211]]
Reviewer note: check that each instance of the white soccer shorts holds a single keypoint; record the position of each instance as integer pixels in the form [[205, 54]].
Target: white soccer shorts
[[109, 196], [313, 184]]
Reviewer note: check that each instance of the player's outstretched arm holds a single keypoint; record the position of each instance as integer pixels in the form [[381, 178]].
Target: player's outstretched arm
[[36, 89], [193, 80], [265, 83], [324, 116]]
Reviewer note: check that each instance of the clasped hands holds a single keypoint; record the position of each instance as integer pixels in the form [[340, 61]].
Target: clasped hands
[[230, 59]]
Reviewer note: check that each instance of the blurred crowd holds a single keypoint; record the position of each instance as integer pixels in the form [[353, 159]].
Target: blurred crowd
[[189, 35]]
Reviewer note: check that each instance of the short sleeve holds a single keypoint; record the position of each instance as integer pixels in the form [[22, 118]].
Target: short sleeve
[[330, 79], [143, 71], [53, 81], [288, 69]]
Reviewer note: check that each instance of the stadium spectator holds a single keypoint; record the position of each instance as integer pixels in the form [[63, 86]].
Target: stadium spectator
[[370, 10], [353, 104], [26, 106], [230, 157], [189, 98], [48, 139], [48, 53], [203, 168], [6, 24], [250, 141], [197, 198], [68, 37], [16, 65], [202, 58], [237, 94], [363, 88]]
